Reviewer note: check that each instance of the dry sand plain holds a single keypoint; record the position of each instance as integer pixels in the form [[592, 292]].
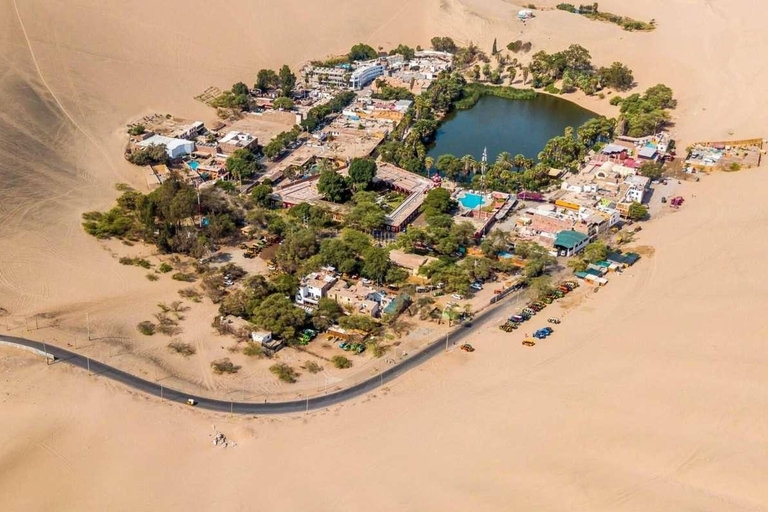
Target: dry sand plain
[[650, 397]]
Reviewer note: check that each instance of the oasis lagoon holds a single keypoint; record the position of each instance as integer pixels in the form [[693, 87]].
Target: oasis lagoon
[[499, 124]]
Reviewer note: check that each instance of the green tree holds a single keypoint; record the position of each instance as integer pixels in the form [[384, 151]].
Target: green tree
[[278, 315], [366, 216], [637, 211], [407, 52], [438, 201], [652, 170], [286, 284], [326, 314], [287, 81], [362, 51], [362, 171], [240, 89], [596, 251], [261, 194], [360, 323], [376, 264], [266, 79], [334, 186], [617, 76], [297, 247], [443, 44], [540, 286], [242, 164], [494, 50], [283, 103]]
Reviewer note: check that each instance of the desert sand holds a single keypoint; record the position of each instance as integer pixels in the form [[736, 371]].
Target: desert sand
[[649, 397]]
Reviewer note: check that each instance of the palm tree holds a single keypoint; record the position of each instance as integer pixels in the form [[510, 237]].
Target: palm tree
[[504, 160], [451, 313], [469, 163], [519, 161], [428, 163]]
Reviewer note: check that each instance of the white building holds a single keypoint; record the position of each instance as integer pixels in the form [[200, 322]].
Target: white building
[[314, 287], [262, 337], [175, 148], [638, 185], [337, 77], [403, 105], [365, 74]]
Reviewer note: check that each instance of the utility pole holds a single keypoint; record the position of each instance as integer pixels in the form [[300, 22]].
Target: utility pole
[[88, 325]]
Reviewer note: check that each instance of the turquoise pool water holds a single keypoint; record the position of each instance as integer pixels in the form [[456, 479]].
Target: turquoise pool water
[[471, 201], [193, 165]]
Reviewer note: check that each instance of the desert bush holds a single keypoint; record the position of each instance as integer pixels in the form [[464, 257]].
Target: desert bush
[[312, 367], [341, 362], [191, 294], [146, 328], [152, 277], [184, 349], [376, 348], [253, 350], [225, 365], [181, 276], [165, 268], [284, 372]]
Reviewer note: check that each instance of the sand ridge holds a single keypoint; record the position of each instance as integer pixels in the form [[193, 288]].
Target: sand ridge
[[649, 397]]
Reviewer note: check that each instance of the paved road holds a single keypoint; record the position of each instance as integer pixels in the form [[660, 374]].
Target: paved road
[[458, 335]]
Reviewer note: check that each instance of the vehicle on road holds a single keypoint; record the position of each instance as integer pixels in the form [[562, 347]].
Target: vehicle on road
[[191, 402], [467, 347]]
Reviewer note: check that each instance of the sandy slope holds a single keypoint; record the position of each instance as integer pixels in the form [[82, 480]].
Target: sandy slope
[[651, 397]]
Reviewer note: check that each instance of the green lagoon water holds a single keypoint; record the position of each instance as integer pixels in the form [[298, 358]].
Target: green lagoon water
[[516, 126]]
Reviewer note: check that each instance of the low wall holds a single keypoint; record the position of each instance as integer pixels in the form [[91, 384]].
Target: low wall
[[28, 349]]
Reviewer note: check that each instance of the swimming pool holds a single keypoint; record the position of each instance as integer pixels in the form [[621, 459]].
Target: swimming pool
[[471, 201], [193, 165]]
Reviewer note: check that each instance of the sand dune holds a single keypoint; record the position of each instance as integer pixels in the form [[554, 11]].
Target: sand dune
[[650, 396]]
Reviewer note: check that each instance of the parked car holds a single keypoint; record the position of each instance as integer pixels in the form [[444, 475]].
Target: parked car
[[553, 320], [457, 296]]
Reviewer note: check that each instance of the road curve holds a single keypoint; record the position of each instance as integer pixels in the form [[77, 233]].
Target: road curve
[[457, 335]]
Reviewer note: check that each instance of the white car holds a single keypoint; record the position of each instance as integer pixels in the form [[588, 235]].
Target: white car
[[457, 296]]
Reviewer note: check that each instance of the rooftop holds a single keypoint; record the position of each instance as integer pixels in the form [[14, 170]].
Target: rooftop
[[169, 142], [569, 239]]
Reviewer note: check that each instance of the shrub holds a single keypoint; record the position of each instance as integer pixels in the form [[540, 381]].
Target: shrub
[[165, 268], [253, 349], [146, 328], [616, 100], [191, 294], [126, 260], [312, 367], [152, 277], [376, 348], [341, 362], [141, 262], [184, 349], [137, 129], [284, 372], [225, 365], [181, 276]]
